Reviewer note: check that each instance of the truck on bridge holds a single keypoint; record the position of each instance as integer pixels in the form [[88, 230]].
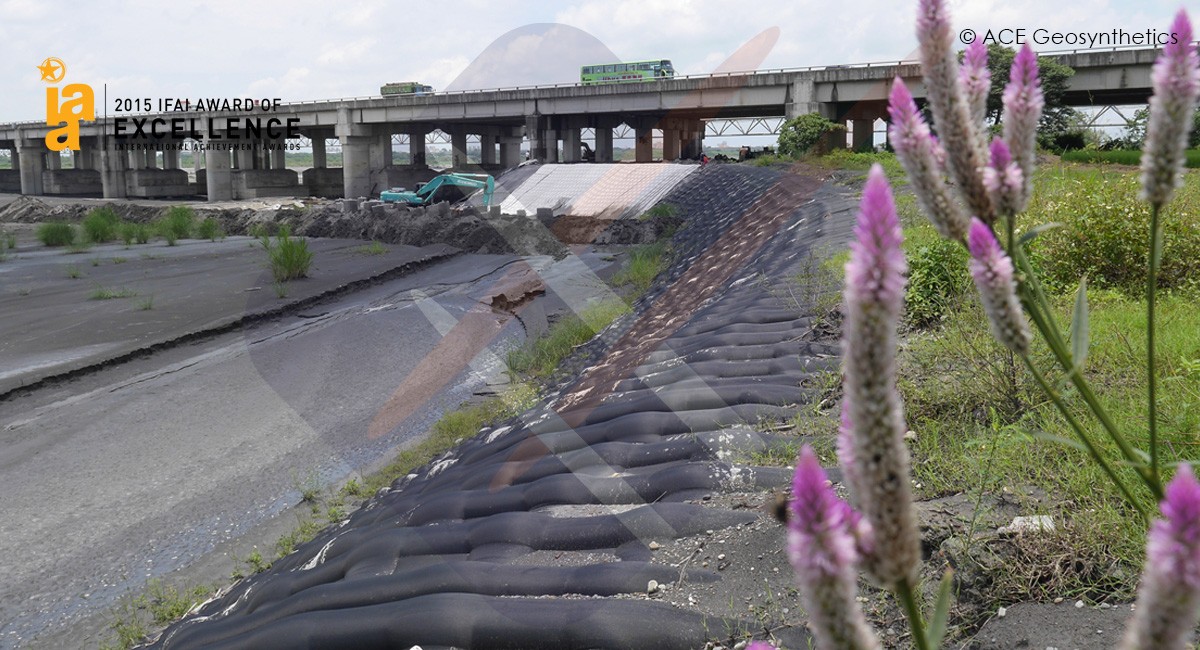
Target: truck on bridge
[[405, 88]]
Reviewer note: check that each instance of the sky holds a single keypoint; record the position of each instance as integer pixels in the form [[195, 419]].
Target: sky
[[305, 50]]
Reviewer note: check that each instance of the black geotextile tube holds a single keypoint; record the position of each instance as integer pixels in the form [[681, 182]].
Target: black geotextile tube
[[455, 554], [472, 621]]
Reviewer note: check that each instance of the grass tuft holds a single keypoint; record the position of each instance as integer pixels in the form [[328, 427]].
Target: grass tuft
[[101, 225], [289, 257], [103, 293], [541, 357], [56, 234], [645, 263]]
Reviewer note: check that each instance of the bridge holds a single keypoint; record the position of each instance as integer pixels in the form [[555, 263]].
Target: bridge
[[507, 121]]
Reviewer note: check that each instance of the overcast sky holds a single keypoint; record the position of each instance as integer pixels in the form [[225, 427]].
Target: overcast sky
[[300, 49]]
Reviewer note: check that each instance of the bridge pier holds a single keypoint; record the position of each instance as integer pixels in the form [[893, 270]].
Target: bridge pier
[[113, 164], [416, 148], [218, 173], [604, 144], [510, 151], [32, 159], [571, 147], [487, 150], [643, 148]]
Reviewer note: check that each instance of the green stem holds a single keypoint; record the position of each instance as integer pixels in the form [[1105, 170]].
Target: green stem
[[916, 622], [1151, 374], [1041, 314], [1083, 437]]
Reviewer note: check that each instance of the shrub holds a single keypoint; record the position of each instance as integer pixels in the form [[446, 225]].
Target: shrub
[[209, 229], [1103, 236], [177, 223], [101, 224], [802, 133], [56, 234], [289, 258], [937, 276]]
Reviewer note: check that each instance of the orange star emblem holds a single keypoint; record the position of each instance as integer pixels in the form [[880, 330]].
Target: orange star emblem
[[53, 69]]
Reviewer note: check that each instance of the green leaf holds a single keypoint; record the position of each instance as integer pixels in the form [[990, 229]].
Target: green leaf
[[941, 611], [1069, 442], [1033, 232], [1079, 327]]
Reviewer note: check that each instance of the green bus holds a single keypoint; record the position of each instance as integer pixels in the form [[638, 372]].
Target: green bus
[[405, 88], [609, 73]]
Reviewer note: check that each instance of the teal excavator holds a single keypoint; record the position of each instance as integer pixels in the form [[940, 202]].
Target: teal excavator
[[446, 187]]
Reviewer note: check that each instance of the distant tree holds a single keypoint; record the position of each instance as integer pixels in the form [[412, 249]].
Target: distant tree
[[1057, 118], [800, 134]]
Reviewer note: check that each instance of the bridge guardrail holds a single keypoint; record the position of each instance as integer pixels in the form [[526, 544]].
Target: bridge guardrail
[[733, 73]]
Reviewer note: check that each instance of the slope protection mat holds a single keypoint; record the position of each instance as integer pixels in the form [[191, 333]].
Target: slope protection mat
[[541, 533], [597, 190]]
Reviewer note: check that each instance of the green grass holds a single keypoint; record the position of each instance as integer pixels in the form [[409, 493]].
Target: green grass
[[103, 293], [288, 257], [56, 234], [540, 358], [158, 604], [133, 233], [177, 223], [659, 211], [464, 422], [74, 272], [146, 304], [374, 248], [101, 225], [846, 159], [79, 247], [210, 229], [645, 263], [10, 240], [1122, 157]]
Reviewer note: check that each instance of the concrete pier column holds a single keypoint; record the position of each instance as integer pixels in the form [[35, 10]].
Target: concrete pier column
[[171, 159], [245, 159], [356, 166], [533, 130], [79, 159], [571, 146], [53, 160], [15, 156], [218, 176], [670, 144], [32, 159], [458, 149], [604, 144], [550, 141], [416, 149], [693, 140], [318, 152], [384, 151], [197, 159], [487, 149], [643, 148], [112, 172], [279, 157], [862, 134], [510, 151]]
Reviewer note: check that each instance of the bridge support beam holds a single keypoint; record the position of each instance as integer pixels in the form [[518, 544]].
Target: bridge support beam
[[550, 142], [32, 159], [643, 148], [318, 151], [604, 144], [416, 148], [112, 172], [171, 159], [458, 149], [571, 146], [218, 174], [487, 150], [670, 145], [356, 166], [510, 151], [862, 134], [279, 156]]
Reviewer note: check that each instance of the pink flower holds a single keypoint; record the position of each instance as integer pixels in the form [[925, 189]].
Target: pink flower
[[975, 79], [959, 133], [874, 294], [1023, 104], [992, 270], [1168, 602], [1004, 181], [1176, 81], [922, 159], [822, 551]]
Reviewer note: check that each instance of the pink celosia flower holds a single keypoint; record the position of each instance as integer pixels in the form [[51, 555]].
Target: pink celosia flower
[[1176, 81], [952, 117], [874, 293], [1168, 602], [1023, 104], [760, 645], [822, 551], [918, 152], [1004, 181], [992, 270], [976, 81]]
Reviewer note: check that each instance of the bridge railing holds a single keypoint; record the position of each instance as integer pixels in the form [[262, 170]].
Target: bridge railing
[[576, 84]]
